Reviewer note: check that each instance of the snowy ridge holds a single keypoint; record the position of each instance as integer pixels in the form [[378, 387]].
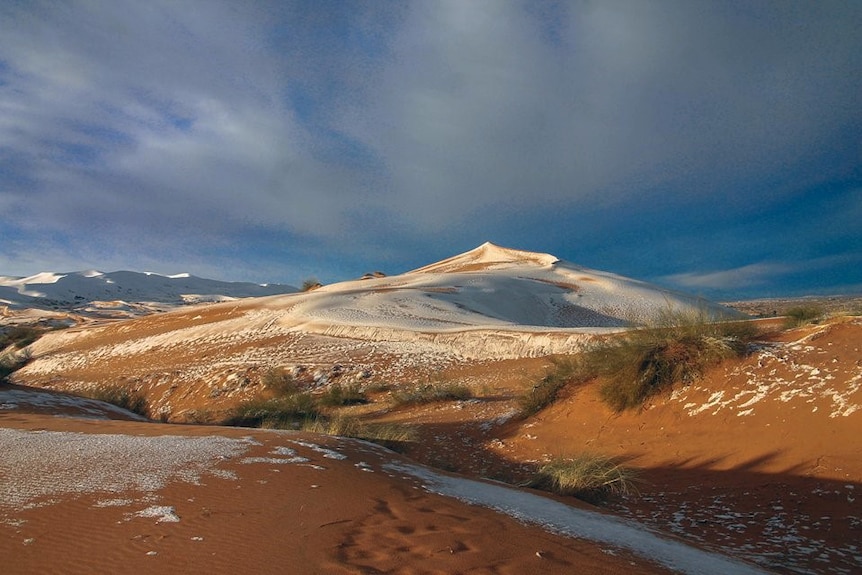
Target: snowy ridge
[[487, 256], [77, 289]]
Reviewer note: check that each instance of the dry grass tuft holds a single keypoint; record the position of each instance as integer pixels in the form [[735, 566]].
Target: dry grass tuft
[[564, 371], [803, 315], [121, 396], [391, 435], [286, 412], [589, 477], [278, 381], [12, 362], [646, 361], [339, 395]]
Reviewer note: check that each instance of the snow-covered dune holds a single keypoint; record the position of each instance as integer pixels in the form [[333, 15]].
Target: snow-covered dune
[[487, 303], [497, 288]]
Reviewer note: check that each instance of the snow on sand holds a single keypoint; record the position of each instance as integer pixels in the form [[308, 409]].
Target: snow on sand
[[41, 466]]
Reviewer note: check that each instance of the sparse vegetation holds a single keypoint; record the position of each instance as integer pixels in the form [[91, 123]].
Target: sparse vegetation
[[310, 284], [544, 393], [285, 412], [199, 417], [338, 395], [379, 387], [279, 381], [121, 396], [10, 363], [388, 434], [644, 362], [588, 477], [303, 411], [20, 336], [802, 315], [432, 392]]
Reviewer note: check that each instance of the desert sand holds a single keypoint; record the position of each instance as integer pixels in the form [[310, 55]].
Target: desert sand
[[109, 496], [755, 467]]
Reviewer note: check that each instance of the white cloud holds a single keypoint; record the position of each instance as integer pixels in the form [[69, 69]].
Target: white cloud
[[731, 279]]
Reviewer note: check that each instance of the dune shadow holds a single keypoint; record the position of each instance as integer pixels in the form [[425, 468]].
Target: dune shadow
[[788, 521]]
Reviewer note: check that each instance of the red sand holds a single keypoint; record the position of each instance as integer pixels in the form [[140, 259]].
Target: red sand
[[279, 518], [760, 459]]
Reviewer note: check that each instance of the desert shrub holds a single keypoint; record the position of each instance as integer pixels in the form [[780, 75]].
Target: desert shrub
[[431, 393], [199, 416], [9, 364], [21, 336], [285, 412], [588, 477], [12, 362], [121, 396], [343, 426], [338, 395], [802, 315], [279, 381], [388, 434], [646, 361], [310, 284], [544, 393]]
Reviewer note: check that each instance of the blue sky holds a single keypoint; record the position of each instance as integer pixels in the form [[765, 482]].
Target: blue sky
[[713, 147]]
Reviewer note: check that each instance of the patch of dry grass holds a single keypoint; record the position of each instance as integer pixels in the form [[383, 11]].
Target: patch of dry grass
[[563, 372], [432, 393], [339, 395], [391, 435], [121, 396], [285, 412], [586, 476], [647, 361], [800, 315]]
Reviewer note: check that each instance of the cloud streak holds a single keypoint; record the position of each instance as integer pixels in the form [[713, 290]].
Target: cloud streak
[[733, 279]]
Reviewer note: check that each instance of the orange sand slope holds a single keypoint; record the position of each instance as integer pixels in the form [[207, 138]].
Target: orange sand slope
[[762, 456], [85, 496]]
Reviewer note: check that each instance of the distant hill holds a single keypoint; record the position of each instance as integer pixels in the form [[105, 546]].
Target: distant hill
[[82, 290]]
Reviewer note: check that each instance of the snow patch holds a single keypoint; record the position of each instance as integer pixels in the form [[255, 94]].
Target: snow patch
[[66, 463], [162, 513]]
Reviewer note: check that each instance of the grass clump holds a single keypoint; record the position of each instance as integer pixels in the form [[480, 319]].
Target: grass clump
[[285, 412], [10, 363], [19, 336], [432, 393], [121, 396], [338, 395], [389, 434], [279, 382], [544, 393], [803, 315], [589, 477], [647, 361]]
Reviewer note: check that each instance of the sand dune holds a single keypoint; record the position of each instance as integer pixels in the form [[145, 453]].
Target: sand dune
[[490, 302], [757, 461]]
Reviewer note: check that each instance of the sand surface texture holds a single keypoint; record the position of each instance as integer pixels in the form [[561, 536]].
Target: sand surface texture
[[80, 496]]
